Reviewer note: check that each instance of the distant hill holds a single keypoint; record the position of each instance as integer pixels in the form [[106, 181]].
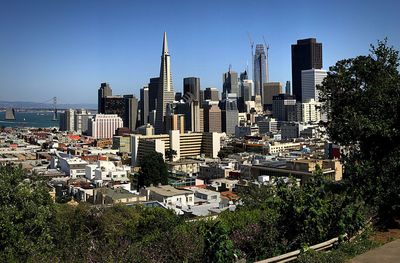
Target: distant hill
[[37, 105]]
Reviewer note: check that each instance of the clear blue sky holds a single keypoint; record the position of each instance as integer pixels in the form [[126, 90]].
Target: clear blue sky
[[67, 48]]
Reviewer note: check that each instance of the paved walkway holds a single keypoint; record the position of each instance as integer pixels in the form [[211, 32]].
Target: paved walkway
[[388, 253]]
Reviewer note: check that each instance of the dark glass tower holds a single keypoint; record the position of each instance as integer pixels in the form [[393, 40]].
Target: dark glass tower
[[104, 91], [192, 85], [306, 54]]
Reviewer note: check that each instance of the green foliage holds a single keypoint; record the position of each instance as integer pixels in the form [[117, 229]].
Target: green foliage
[[218, 246], [153, 170], [362, 98], [25, 211], [225, 152]]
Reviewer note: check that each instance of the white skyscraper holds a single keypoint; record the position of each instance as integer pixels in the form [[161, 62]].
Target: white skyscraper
[[309, 80], [166, 93]]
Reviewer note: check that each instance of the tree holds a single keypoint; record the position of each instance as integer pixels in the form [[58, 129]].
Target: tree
[[153, 170], [170, 153], [218, 246], [362, 98], [26, 210]]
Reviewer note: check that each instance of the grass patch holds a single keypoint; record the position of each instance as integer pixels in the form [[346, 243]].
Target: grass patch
[[341, 253]]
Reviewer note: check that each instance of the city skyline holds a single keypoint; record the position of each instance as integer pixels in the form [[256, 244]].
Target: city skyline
[[67, 49]]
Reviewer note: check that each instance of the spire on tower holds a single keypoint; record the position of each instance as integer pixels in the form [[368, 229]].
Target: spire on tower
[[165, 45]]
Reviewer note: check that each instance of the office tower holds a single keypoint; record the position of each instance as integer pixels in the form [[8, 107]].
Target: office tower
[[104, 91], [144, 105], [152, 118], [81, 120], [211, 94], [288, 88], [103, 126], [125, 107], [306, 54], [284, 107], [309, 111], [230, 115], [270, 89], [244, 75], [165, 89], [260, 69], [201, 100], [153, 93], [130, 117], [309, 80], [178, 96], [192, 85], [230, 83], [175, 121], [67, 120], [212, 118], [246, 86]]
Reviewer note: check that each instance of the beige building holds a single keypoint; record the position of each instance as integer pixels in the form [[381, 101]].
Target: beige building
[[212, 118], [270, 89], [309, 111], [185, 145], [169, 195]]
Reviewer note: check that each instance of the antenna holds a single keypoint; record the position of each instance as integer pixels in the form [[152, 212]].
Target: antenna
[[267, 58]]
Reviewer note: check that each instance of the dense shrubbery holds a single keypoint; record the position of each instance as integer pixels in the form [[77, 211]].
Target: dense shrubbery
[[275, 219]]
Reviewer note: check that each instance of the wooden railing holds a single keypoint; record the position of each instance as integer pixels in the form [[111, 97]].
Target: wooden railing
[[294, 254]]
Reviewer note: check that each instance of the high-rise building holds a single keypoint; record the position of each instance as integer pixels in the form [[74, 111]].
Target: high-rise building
[[212, 118], [211, 94], [125, 107], [130, 117], [230, 116], [270, 90], [288, 88], [81, 120], [192, 85], [104, 91], [201, 100], [260, 69], [306, 54], [309, 112], [103, 126], [144, 105], [67, 120], [153, 93], [284, 107], [309, 80], [75, 120], [165, 90], [178, 96], [230, 83]]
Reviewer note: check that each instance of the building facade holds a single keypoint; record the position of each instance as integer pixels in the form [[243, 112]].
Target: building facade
[[306, 54], [103, 126]]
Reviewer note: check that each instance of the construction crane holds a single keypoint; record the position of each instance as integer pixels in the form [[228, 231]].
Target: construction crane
[[267, 58], [252, 53]]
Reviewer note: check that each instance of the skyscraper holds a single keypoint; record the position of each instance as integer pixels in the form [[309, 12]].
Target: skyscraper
[[165, 88], [211, 94], [144, 105], [192, 85], [153, 93], [270, 90], [306, 54], [260, 69], [288, 88], [104, 91], [309, 80], [230, 83]]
